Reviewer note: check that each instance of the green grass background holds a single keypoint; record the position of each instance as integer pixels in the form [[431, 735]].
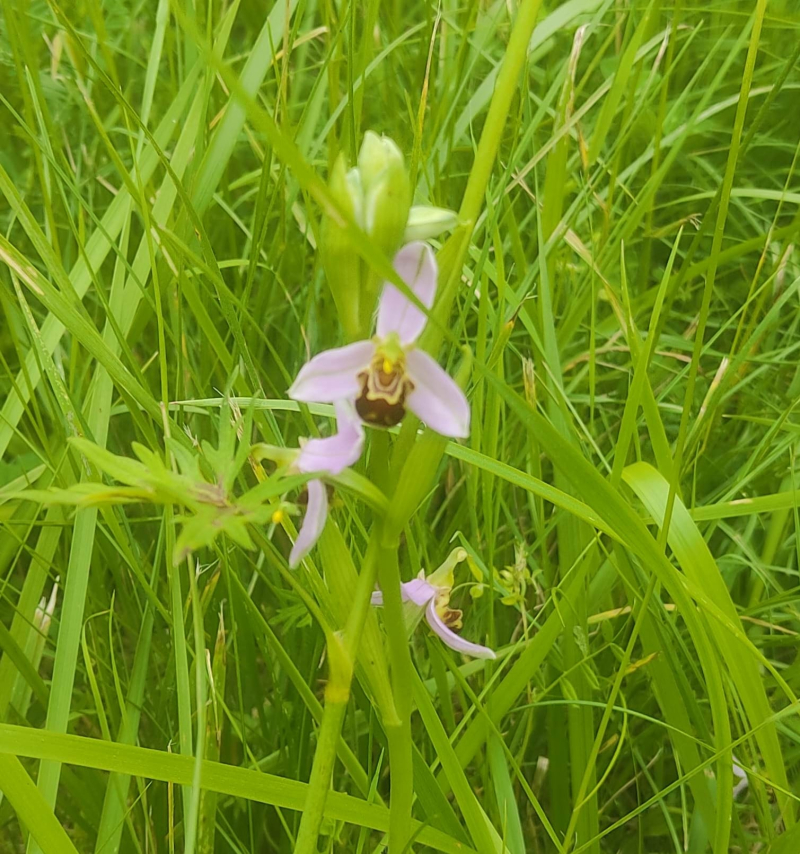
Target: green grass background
[[631, 294]]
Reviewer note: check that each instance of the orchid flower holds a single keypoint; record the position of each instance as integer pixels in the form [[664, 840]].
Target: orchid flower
[[433, 595], [388, 374], [328, 456]]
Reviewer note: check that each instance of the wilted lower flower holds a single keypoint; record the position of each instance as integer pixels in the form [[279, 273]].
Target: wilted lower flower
[[327, 456], [433, 595], [388, 374]]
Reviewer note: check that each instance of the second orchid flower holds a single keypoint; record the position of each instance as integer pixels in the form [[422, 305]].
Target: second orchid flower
[[431, 596]]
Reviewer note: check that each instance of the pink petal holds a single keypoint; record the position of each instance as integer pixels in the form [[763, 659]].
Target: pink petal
[[416, 266], [313, 523], [436, 399], [337, 452], [453, 640], [417, 591], [333, 374]]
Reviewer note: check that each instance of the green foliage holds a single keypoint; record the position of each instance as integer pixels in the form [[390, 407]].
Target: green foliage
[[201, 483], [622, 275]]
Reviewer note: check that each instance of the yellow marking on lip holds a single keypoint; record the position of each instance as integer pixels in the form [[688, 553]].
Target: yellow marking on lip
[[387, 366]]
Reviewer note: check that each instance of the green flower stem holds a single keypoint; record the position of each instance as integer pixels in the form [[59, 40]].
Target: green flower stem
[[342, 653], [399, 737], [418, 467], [379, 460], [320, 781]]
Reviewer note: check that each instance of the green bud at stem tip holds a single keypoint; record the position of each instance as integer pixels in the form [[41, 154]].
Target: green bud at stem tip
[[376, 195]]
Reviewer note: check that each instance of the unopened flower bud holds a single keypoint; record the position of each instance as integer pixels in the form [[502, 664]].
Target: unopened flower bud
[[387, 200], [387, 191], [376, 194], [375, 155]]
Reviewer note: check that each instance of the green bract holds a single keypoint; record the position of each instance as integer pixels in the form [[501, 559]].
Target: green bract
[[427, 221]]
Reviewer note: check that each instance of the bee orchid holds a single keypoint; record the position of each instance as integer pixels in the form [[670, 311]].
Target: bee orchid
[[387, 375], [431, 595]]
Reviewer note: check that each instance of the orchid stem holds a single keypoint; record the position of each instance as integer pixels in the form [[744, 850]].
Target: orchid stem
[[341, 657], [401, 796], [320, 780], [399, 737]]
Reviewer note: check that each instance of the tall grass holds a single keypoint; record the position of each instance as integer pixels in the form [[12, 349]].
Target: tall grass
[[619, 297]]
